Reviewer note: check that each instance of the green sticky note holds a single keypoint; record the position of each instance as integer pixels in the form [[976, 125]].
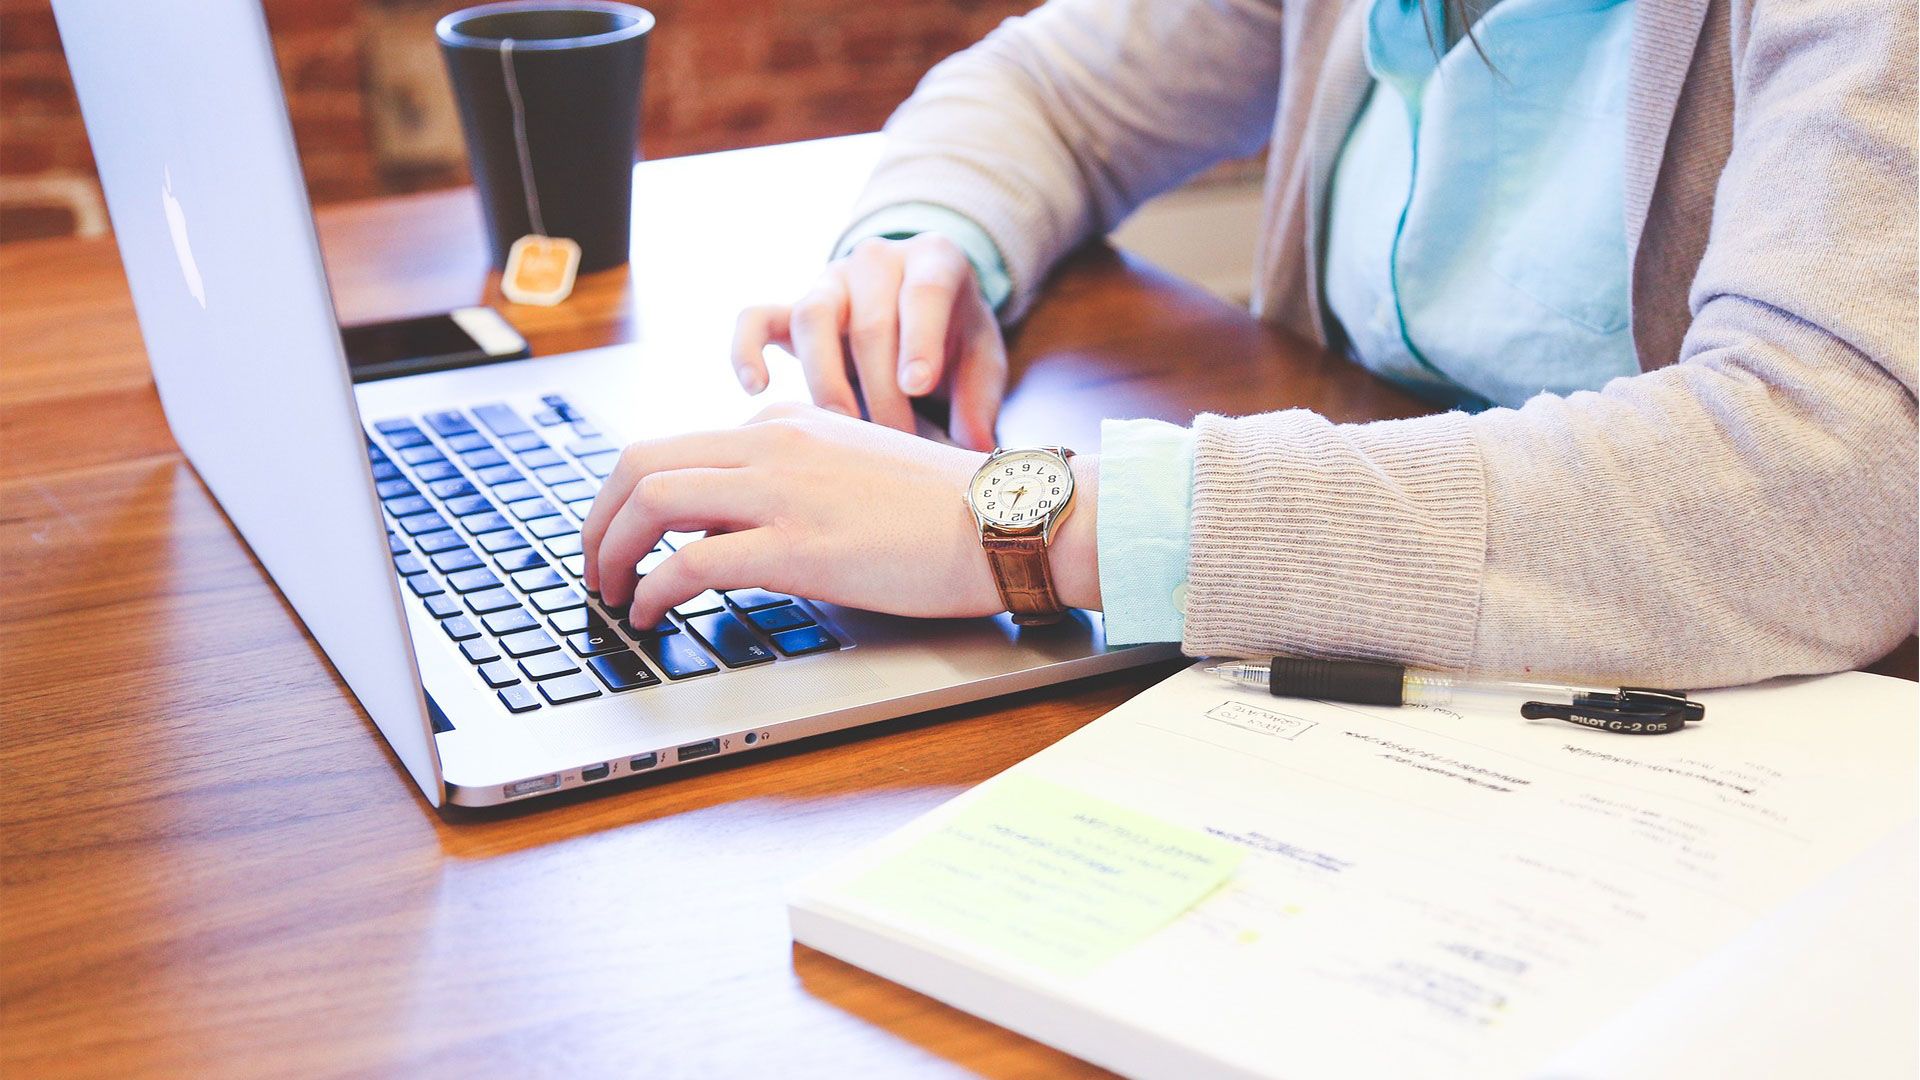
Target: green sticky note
[[1048, 875]]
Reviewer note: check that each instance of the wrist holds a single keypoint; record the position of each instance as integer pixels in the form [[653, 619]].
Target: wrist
[[1074, 555]]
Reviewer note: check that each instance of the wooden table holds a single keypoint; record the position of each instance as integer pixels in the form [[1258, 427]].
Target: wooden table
[[214, 866]]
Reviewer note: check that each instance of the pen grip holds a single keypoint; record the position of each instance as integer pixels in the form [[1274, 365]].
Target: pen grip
[[1361, 682]]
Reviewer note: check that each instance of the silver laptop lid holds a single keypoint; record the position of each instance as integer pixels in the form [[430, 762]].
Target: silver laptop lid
[[189, 127]]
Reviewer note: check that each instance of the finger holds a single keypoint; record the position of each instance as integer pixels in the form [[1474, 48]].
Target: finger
[[818, 321], [979, 381], [873, 331], [684, 500], [734, 560], [753, 331], [708, 449], [929, 290]]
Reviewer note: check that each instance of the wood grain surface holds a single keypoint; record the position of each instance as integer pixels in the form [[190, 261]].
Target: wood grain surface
[[211, 865]]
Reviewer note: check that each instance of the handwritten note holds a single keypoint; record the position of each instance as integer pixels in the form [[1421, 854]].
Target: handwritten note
[[1048, 875]]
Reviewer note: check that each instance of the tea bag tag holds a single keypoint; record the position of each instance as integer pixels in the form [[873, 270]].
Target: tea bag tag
[[540, 269]]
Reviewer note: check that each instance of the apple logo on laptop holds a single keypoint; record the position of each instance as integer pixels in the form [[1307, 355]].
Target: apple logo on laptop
[[177, 225]]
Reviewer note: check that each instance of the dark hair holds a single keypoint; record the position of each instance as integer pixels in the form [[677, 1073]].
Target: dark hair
[[1452, 13]]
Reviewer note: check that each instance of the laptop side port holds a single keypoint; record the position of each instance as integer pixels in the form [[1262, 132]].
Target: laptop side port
[[595, 772], [699, 750], [644, 761], [528, 787]]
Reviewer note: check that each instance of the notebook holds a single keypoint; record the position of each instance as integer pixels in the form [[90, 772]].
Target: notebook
[[1212, 881]]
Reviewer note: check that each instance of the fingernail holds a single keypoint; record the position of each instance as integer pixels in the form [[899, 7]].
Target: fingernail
[[915, 376]]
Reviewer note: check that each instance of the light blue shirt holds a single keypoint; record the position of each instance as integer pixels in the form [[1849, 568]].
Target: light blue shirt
[[1475, 254]]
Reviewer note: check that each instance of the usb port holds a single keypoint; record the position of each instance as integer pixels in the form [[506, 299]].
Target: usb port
[[699, 749], [644, 761], [595, 772]]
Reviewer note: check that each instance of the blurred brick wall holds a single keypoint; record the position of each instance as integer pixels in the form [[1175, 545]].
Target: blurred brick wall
[[369, 102]]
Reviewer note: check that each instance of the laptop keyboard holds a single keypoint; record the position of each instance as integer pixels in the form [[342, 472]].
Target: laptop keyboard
[[483, 510]]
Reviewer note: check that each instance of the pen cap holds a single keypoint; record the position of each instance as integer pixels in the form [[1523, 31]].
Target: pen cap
[[1359, 681]]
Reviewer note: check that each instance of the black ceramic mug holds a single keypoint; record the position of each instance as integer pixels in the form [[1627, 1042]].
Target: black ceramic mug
[[549, 97]]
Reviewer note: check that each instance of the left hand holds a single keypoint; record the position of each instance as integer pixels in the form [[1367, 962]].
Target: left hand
[[802, 501]]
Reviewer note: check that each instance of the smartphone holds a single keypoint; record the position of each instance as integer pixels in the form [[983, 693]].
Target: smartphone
[[463, 338]]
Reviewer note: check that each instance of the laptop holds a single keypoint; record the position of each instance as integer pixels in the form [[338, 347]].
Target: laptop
[[426, 528]]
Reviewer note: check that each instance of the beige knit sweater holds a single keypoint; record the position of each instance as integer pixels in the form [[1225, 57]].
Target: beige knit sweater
[[1745, 508]]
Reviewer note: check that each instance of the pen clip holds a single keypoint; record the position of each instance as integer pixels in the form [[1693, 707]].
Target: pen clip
[[1634, 710]]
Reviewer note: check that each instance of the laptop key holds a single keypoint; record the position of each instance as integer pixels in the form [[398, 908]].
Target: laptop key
[[469, 504], [518, 699], [484, 523], [730, 639], [384, 471], [516, 491], [755, 599], [415, 524], [526, 440], [549, 527], [572, 490], [434, 543], [435, 471], [460, 628], [471, 440], [407, 438], [580, 508], [490, 600], [592, 445], [388, 427], [483, 459], [499, 474], [499, 673], [807, 639], [568, 688], [651, 562], [479, 650], [454, 560], [393, 489], [572, 620], [594, 641], [677, 657], [402, 505], [515, 559], [409, 564], [623, 671], [564, 545], [530, 509], [442, 606], [424, 586], [784, 617], [557, 599], [660, 629], [706, 603], [500, 419], [548, 665], [601, 464], [511, 621], [452, 489], [505, 540], [421, 455], [527, 643], [448, 422], [548, 418], [551, 475], [575, 565], [539, 578], [395, 544], [473, 580]]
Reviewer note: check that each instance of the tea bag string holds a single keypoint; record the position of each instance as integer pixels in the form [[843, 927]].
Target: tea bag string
[[520, 137]]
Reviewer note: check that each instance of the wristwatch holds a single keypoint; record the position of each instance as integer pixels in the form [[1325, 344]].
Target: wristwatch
[[1017, 497]]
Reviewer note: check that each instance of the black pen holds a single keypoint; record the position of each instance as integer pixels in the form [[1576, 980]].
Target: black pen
[[1629, 710]]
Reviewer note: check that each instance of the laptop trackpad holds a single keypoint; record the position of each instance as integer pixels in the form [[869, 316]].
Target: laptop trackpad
[[709, 705]]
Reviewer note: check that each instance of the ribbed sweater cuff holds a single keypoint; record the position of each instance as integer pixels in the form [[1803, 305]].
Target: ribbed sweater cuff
[[1017, 226], [1316, 539]]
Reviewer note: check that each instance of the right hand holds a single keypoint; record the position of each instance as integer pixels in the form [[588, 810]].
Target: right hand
[[906, 318]]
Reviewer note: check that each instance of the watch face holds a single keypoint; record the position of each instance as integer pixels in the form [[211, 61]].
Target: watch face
[[1021, 489]]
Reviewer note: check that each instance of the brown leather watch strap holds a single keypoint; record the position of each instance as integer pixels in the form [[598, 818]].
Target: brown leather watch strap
[[1024, 577]]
